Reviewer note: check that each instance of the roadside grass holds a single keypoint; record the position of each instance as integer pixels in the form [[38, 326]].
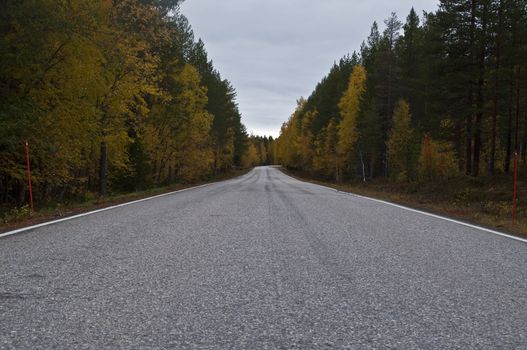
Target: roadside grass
[[13, 218], [483, 201]]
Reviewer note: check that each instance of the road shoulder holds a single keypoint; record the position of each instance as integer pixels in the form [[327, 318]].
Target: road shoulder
[[48, 217], [414, 206]]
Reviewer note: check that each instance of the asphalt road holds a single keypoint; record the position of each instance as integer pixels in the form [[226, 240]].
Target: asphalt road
[[261, 262]]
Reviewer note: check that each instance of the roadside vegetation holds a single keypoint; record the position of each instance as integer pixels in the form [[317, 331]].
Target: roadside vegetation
[[23, 216], [113, 97], [428, 112]]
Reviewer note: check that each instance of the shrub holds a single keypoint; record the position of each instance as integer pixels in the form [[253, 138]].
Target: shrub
[[437, 160], [17, 214]]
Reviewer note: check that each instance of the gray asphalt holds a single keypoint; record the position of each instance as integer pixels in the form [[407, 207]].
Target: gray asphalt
[[261, 262]]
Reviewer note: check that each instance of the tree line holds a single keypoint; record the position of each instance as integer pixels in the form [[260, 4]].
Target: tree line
[[111, 95], [442, 95], [260, 151]]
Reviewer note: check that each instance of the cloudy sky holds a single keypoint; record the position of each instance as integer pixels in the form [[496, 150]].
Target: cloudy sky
[[275, 51]]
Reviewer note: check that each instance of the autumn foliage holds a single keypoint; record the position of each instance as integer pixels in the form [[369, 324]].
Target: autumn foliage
[[441, 95], [111, 96]]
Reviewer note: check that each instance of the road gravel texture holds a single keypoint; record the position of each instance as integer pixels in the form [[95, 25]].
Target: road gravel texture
[[263, 261]]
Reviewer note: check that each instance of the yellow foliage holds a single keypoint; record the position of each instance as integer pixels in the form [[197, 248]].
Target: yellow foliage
[[289, 145], [194, 156], [56, 70], [178, 133], [326, 160], [305, 140], [82, 79], [262, 153], [437, 160], [349, 109], [250, 157], [399, 142]]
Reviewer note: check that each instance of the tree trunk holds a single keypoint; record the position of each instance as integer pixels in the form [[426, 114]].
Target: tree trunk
[[477, 136], [479, 99], [372, 165], [492, 158], [160, 170], [363, 167], [470, 114], [91, 183], [468, 149], [103, 169], [508, 153], [524, 141], [336, 171], [172, 173], [21, 193], [517, 124]]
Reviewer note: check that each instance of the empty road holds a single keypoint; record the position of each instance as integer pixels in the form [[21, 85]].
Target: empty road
[[263, 261]]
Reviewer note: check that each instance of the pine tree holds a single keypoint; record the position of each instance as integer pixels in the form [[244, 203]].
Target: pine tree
[[409, 52]]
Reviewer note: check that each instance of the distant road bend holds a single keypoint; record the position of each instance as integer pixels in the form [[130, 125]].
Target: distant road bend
[[263, 261]]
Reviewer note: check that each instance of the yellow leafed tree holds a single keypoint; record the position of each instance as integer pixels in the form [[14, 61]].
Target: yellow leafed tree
[[128, 74], [399, 142], [194, 156], [291, 146], [437, 160], [51, 66], [305, 142], [349, 109], [250, 156], [178, 133]]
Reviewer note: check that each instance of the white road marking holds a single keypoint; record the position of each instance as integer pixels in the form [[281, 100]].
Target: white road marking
[[421, 212], [443, 218], [23, 229]]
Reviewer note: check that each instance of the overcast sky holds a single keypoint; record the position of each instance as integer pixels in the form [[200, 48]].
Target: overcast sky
[[275, 51]]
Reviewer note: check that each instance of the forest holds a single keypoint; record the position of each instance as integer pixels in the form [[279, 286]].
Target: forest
[[439, 96], [111, 96]]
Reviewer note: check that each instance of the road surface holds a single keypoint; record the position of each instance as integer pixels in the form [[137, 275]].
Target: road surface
[[261, 262]]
